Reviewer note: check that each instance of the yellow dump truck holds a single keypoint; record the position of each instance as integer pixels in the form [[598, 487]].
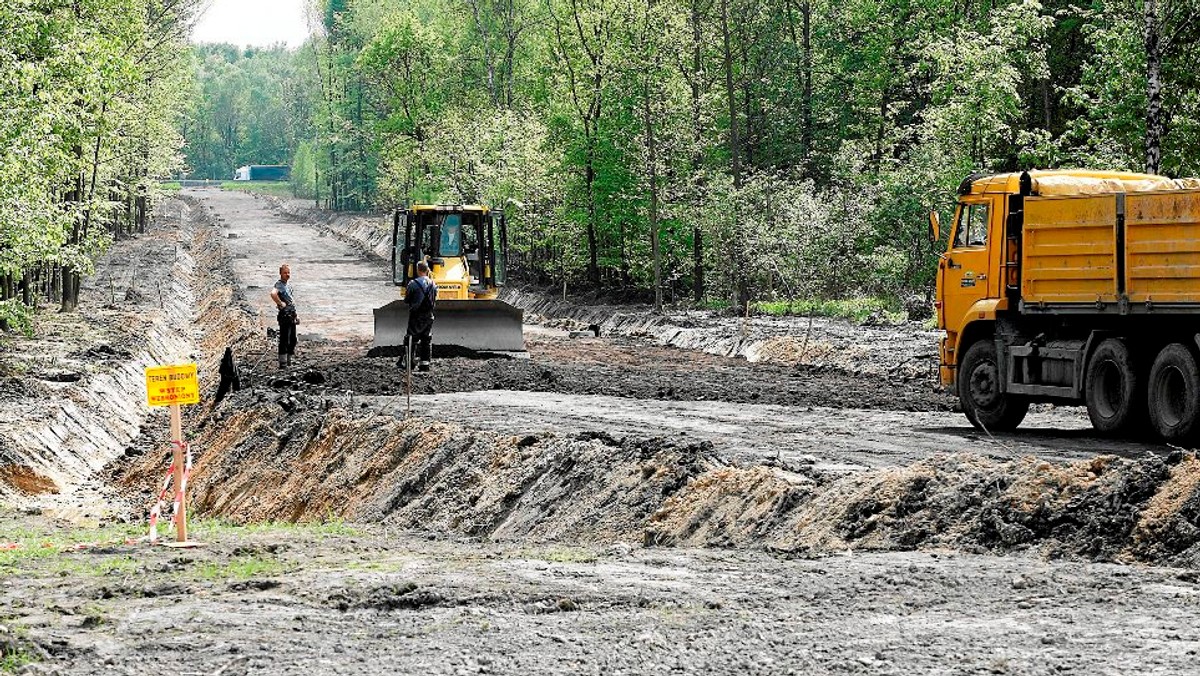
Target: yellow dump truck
[[1075, 287]]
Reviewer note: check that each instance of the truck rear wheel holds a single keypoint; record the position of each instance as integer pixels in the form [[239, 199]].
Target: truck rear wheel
[[1174, 394], [979, 389], [1114, 389]]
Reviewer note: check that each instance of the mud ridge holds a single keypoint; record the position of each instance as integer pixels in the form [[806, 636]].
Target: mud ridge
[[327, 458], [70, 433]]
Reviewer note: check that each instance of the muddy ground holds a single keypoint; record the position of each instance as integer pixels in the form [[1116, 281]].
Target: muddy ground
[[686, 492]]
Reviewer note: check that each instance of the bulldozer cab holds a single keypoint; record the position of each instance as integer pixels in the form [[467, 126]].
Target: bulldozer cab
[[474, 236]]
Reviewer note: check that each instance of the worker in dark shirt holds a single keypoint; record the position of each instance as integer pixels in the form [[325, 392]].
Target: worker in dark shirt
[[420, 295]]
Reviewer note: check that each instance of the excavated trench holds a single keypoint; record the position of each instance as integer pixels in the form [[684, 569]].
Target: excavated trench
[[332, 440]]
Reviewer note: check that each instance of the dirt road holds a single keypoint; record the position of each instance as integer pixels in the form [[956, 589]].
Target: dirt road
[[335, 287], [367, 601], [630, 387]]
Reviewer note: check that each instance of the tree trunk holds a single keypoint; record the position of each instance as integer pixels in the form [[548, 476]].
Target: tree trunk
[[652, 149], [697, 156], [735, 166], [1155, 122], [589, 178]]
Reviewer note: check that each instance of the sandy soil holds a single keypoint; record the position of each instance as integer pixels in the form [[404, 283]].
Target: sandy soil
[[611, 505]]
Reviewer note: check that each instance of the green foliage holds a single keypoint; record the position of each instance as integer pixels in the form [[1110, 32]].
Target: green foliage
[[90, 94], [858, 309], [16, 316], [782, 150], [273, 188]]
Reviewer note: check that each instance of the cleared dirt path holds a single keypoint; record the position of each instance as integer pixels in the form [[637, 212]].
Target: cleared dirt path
[[335, 287], [828, 438], [831, 418]]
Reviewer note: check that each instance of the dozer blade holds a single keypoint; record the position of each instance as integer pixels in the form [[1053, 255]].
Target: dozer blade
[[460, 328]]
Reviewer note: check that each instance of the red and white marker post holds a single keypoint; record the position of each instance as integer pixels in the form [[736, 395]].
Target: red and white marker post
[[174, 386]]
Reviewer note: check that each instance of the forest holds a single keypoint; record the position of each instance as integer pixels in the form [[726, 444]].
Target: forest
[[92, 95], [710, 151]]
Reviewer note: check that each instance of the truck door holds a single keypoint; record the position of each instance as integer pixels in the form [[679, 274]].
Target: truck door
[[965, 269]]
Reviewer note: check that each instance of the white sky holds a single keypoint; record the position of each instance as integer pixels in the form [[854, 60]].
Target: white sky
[[253, 22]]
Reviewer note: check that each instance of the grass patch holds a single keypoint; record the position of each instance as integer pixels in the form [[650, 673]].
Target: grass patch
[[12, 662], [273, 188], [322, 529], [36, 545], [13, 654], [856, 309], [170, 186], [241, 568], [560, 555]]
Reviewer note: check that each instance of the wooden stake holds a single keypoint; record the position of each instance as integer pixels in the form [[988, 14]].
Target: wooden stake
[[179, 459]]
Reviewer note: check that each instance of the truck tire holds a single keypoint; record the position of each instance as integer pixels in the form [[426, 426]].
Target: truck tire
[[1114, 389], [1173, 394], [979, 390]]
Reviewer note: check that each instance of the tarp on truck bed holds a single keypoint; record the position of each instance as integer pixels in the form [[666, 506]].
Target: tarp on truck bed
[[1142, 249]]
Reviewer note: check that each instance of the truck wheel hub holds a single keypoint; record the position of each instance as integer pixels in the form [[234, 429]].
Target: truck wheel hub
[[985, 385]]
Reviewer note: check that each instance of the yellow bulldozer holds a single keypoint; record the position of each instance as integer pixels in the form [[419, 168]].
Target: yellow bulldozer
[[465, 247]]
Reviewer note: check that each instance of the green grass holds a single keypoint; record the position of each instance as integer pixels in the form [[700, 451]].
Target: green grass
[[16, 656], [712, 304], [12, 662], [273, 188], [856, 309], [170, 186], [38, 545], [327, 528], [560, 555], [241, 568]]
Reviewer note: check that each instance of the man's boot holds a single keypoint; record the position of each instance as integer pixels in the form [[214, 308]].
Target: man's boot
[[423, 366], [283, 361]]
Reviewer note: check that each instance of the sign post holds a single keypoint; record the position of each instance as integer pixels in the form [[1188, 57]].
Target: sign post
[[175, 386]]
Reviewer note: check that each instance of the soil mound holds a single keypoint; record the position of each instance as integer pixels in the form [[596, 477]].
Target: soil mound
[[290, 456]]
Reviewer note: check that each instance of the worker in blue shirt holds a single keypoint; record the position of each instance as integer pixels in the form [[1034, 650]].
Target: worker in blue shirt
[[421, 295]]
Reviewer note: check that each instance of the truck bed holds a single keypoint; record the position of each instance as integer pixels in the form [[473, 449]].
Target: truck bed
[[1117, 253]]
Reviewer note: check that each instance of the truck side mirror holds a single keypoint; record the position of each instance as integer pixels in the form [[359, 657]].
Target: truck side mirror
[[935, 226]]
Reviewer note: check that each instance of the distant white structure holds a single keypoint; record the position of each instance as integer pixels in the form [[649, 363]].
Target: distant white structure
[[262, 172]]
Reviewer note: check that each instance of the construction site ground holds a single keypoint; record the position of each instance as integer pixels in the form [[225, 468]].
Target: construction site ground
[[685, 492]]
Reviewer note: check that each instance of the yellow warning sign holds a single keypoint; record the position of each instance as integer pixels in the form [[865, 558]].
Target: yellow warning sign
[[169, 385]]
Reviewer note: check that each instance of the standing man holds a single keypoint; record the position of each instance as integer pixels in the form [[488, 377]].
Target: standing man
[[281, 293], [420, 295]]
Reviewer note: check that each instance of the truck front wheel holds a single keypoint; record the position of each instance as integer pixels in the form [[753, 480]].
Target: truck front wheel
[[1113, 389], [979, 389], [1174, 394]]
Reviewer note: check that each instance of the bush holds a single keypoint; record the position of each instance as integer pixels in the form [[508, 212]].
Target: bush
[[16, 316]]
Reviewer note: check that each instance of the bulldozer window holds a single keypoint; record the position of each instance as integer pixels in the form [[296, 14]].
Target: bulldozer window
[[451, 244], [972, 226]]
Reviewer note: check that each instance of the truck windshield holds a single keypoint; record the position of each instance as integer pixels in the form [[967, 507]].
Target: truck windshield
[[451, 244], [972, 226]]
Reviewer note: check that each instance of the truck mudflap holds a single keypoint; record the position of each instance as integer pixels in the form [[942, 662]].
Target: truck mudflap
[[477, 328]]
